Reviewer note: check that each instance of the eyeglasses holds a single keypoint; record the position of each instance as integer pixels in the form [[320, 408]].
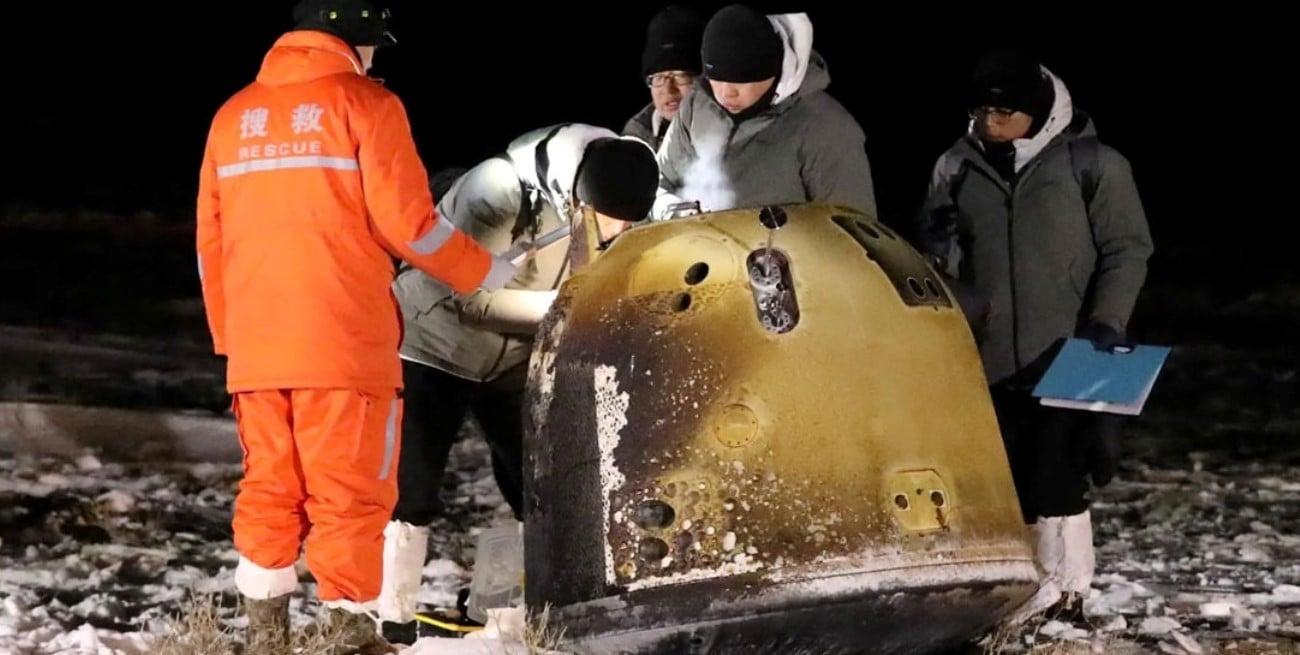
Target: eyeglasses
[[660, 79], [998, 114]]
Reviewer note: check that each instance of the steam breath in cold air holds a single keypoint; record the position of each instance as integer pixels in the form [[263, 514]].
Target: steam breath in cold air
[[706, 179]]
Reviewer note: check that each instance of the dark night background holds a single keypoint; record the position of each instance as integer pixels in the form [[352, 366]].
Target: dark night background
[[110, 106]]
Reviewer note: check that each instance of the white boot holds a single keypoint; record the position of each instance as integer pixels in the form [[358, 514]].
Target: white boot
[[405, 547], [1065, 560], [1079, 562]]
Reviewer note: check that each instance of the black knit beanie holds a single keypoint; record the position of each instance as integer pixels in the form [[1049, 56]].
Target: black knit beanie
[[618, 177], [673, 41], [1011, 80], [741, 45]]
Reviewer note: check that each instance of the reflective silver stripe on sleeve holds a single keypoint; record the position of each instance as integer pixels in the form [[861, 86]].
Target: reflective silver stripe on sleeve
[[434, 239], [279, 163], [499, 275], [200, 258], [390, 439]]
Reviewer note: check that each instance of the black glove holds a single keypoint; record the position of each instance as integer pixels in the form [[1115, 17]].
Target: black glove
[[939, 230], [1104, 337]]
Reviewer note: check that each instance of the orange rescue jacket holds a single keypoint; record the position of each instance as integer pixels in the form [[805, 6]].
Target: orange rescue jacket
[[310, 181]]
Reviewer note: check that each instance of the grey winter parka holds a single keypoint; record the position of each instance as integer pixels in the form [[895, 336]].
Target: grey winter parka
[[805, 147], [1046, 261]]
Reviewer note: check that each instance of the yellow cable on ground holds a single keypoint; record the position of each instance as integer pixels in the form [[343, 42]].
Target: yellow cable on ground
[[445, 625]]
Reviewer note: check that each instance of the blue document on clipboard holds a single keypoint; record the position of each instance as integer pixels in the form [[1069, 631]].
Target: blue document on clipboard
[[1082, 377]]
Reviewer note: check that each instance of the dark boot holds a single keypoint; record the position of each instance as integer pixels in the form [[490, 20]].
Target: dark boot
[[401, 633], [357, 634], [268, 625], [1069, 609]]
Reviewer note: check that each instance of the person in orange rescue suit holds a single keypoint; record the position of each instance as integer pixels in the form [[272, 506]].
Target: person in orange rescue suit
[[310, 186]]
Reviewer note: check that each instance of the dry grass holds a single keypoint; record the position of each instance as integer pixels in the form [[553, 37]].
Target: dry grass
[[513, 632], [541, 635], [319, 638], [200, 629], [1002, 635], [1027, 638]]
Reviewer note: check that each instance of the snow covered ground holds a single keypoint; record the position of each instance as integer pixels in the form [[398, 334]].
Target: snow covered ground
[[95, 556]]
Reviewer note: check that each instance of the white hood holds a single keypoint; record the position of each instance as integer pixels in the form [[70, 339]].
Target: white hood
[[1057, 120], [796, 33]]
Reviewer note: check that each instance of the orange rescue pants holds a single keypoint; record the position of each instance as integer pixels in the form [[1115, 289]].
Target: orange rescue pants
[[320, 473]]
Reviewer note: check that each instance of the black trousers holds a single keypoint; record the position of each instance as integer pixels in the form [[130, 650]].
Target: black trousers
[[435, 406], [1054, 452]]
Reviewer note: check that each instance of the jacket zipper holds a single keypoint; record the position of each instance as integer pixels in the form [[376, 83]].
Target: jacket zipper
[[1011, 262]]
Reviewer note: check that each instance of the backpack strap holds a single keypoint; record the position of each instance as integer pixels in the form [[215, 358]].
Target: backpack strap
[[542, 158], [935, 240], [524, 217], [1085, 162], [955, 169]]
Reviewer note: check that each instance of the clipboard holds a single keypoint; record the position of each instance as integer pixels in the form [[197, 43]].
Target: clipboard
[[1116, 382]]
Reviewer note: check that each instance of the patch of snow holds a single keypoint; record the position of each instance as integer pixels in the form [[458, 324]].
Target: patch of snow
[[611, 418]]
